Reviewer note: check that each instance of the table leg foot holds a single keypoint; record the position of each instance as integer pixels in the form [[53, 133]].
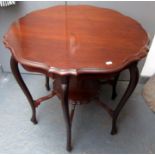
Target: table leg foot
[[65, 107], [34, 120], [69, 148], [114, 93], [114, 128], [134, 76], [47, 85], [18, 77]]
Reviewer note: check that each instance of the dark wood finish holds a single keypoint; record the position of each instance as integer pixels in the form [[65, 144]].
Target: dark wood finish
[[77, 46], [65, 107], [17, 75], [114, 84], [47, 85], [134, 76], [75, 40], [80, 88]]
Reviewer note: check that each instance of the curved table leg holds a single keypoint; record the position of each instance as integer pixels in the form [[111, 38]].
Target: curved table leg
[[17, 75], [65, 107], [47, 83], [134, 76], [114, 93]]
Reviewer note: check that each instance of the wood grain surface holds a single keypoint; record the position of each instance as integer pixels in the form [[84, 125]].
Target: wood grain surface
[[76, 39]]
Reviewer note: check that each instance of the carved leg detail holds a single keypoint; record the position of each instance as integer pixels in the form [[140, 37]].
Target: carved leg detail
[[17, 75], [65, 107], [47, 85], [134, 76], [114, 93]]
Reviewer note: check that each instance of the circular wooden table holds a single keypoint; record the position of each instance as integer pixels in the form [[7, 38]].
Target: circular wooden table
[[68, 43]]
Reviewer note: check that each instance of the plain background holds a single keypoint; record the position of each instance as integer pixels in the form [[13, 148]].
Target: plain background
[[141, 11]]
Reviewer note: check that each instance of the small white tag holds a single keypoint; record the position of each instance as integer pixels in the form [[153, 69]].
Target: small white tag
[[108, 62]]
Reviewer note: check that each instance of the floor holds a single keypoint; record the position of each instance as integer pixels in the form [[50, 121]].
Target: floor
[[91, 125]]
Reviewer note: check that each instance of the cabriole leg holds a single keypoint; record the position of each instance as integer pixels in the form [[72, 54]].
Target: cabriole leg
[[65, 107], [134, 76], [17, 75]]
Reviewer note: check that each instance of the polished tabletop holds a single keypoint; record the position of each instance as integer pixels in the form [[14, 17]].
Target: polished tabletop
[[76, 39]]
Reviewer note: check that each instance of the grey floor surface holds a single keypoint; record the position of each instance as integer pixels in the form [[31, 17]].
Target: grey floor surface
[[91, 125]]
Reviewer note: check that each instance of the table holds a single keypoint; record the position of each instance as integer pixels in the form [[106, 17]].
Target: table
[[72, 43]]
